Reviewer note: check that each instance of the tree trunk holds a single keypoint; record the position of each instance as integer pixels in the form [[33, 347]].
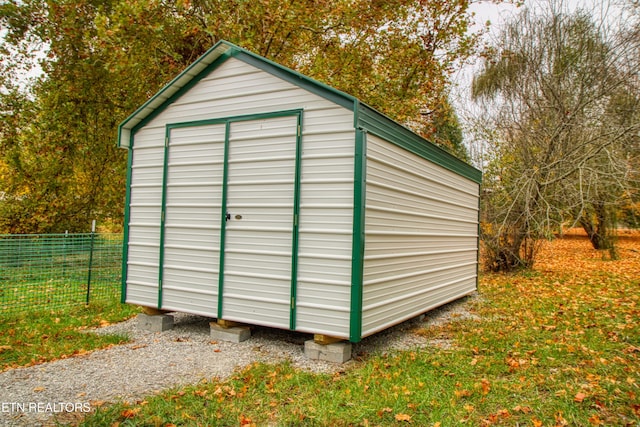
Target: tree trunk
[[599, 229]]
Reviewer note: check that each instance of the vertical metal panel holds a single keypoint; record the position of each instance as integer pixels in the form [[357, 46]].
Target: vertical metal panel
[[421, 236], [259, 231], [193, 203], [142, 246], [326, 215]]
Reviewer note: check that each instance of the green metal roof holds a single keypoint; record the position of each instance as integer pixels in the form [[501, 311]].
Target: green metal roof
[[366, 118]]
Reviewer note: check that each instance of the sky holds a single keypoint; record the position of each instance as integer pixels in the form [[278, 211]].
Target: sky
[[484, 11]]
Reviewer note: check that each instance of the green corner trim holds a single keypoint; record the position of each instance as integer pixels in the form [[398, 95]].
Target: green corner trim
[[163, 211], [223, 218], [358, 241], [478, 237], [296, 222], [125, 240]]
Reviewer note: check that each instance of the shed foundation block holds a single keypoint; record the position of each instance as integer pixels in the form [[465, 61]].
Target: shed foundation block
[[338, 352], [155, 323], [232, 334]]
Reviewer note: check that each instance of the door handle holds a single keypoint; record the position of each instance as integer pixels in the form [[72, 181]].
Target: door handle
[[228, 216]]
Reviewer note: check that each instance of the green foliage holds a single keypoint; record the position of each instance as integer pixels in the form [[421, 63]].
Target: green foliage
[[104, 58]]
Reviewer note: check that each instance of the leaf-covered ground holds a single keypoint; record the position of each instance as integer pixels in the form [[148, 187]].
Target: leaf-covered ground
[[36, 337], [557, 346]]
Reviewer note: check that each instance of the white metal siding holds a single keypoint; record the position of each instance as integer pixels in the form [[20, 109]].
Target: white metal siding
[[193, 208], [326, 221], [144, 218], [420, 236], [259, 232], [324, 264]]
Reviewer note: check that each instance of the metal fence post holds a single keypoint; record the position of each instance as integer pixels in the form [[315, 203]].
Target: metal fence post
[[64, 254], [93, 234]]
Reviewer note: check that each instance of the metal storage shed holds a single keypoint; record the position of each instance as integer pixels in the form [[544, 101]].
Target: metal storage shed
[[258, 195]]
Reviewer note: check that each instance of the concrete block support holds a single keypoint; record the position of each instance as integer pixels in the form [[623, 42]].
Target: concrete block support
[[232, 334], [155, 323], [338, 352]]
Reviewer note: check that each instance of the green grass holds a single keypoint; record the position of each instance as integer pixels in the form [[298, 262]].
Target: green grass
[[55, 286], [40, 336], [52, 271], [543, 349]]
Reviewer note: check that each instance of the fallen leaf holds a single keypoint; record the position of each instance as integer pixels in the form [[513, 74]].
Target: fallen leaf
[[595, 420], [462, 393], [38, 389], [383, 410], [486, 386], [245, 420], [579, 397], [188, 416], [130, 413], [403, 417]]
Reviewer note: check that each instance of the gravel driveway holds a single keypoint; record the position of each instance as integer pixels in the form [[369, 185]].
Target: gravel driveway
[[185, 355]]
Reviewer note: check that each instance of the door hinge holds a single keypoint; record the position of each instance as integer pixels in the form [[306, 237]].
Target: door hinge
[[162, 217], [295, 220], [293, 303]]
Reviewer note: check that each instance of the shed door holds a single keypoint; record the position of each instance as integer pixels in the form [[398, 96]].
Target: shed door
[[193, 205], [259, 240]]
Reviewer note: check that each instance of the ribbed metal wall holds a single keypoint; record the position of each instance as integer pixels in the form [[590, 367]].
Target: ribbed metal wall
[[326, 207], [143, 246], [421, 224], [193, 207], [259, 229], [326, 217]]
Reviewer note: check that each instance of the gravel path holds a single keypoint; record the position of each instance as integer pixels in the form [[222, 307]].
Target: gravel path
[[184, 355]]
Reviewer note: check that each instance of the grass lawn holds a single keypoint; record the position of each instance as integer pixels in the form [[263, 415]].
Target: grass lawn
[[37, 337], [557, 346]]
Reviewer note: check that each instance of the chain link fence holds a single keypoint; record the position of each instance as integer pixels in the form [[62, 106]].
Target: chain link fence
[[51, 271]]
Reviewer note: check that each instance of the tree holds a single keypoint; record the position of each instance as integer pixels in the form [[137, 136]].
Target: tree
[[106, 57], [562, 90]]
